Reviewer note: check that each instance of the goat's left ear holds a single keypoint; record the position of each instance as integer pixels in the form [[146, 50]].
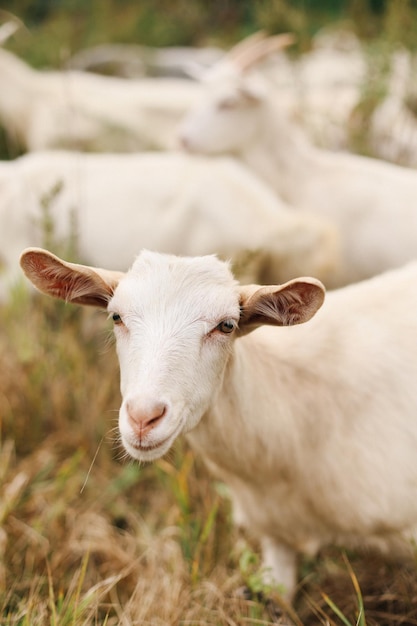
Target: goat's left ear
[[69, 281], [294, 302]]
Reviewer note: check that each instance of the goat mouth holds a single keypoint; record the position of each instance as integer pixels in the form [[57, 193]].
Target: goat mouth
[[143, 447], [150, 447]]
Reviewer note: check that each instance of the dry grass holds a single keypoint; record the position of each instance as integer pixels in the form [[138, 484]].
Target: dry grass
[[87, 537]]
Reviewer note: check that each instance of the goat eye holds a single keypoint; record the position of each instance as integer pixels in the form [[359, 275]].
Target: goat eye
[[116, 319], [226, 326]]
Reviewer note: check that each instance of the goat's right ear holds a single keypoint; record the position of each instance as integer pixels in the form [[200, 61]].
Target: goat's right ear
[[69, 281]]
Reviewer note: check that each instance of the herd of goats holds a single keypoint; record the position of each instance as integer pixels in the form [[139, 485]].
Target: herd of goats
[[312, 425]]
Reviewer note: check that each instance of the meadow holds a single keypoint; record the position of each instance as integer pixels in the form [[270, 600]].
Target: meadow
[[88, 537]]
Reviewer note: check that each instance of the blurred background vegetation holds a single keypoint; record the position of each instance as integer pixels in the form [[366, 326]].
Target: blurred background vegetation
[[57, 29]]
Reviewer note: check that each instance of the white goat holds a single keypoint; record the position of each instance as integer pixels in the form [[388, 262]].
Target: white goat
[[78, 110], [81, 110], [314, 428], [169, 202], [70, 109], [373, 203], [322, 89]]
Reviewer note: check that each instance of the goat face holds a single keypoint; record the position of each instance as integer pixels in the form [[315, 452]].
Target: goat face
[[226, 120], [173, 341], [175, 319]]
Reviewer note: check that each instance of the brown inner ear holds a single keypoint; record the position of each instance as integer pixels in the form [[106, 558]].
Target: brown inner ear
[[69, 281], [293, 303], [282, 309], [272, 310], [41, 268], [81, 287]]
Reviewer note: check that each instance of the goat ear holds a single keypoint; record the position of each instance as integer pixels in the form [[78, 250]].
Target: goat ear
[[294, 302], [69, 281]]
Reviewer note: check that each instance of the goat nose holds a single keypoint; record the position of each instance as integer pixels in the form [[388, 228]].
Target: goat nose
[[143, 418]]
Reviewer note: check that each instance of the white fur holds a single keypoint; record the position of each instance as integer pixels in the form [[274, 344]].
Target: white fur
[[81, 110], [373, 203], [169, 202]]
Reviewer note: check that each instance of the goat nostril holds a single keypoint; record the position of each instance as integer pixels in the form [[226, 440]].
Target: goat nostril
[[145, 418], [161, 412]]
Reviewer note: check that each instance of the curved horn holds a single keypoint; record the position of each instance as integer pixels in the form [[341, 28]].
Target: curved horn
[[262, 49], [246, 44]]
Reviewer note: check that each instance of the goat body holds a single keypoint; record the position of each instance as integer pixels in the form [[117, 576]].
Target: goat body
[[81, 110], [312, 426], [169, 202]]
